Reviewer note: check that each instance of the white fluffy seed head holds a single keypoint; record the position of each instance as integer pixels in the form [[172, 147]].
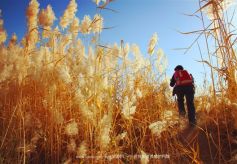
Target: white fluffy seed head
[[85, 27], [104, 132], [138, 93], [97, 24], [82, 149], [71, 129], [152, 44], [64, 74], [74, 27], [69, 14], [128, 108], [158, 127], [46, 17], [168, 114], [31, 13], [3, 33], [6, 72]]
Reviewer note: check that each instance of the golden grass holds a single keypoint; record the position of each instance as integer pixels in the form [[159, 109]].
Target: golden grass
[[65, 98]]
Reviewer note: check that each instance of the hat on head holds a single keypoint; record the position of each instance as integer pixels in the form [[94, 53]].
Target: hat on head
[[179, 67]]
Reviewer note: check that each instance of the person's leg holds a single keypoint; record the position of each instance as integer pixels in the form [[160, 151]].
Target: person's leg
[[189, 95], [180, 97]]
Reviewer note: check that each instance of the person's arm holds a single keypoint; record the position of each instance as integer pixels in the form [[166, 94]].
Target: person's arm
[[172, 81]]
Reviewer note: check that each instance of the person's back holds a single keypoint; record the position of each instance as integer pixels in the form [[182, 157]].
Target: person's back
[[182, 78], [183, 85]]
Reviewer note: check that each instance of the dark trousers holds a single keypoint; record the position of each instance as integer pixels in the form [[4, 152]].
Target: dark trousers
[[188, 93]]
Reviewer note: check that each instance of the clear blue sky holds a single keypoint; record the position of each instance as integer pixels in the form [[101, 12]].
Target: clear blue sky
[[135, 22]]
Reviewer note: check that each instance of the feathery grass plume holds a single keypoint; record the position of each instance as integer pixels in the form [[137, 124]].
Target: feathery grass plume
[[81, 49], [6, 72], [81, 81], [125, 50], [103, 137], [47, 59], [80, 100], [105, 83], [138, 93], [13, 40], [3, 33], [144, 158], [21, 66], [46, 20], [128, 108], [139, 62], [32, 19], [152, 44], [71, 129], [68, 14], [85, 27], [60, 80], [165, 62], [97, 24], [74, 26], [115, 51], [168, 114], [158, 127], [82, 150], [158, 62], [31, 13], [52, 41], [136, 50], [130, 86], [37, 59], [47, 17], [62, 44], [32, 22], [88, 113], [64, 74], [23, 42], [160, 55]]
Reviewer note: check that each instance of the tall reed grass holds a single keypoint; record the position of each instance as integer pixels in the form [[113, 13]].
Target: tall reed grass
[[64, 97]]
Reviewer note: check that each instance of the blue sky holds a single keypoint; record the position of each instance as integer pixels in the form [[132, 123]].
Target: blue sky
[[135, 22]]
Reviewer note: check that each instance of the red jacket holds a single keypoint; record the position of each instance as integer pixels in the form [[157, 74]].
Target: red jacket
[[182, 78]]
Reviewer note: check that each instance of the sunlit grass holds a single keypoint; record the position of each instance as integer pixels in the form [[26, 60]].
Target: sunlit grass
[[65, 97]]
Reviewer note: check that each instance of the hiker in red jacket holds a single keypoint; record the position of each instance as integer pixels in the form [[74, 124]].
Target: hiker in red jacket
[[183, 84]]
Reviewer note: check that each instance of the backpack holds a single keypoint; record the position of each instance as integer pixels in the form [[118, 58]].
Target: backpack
[[183, 78]]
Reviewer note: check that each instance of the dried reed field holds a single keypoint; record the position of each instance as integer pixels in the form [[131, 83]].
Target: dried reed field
[[67, 98]]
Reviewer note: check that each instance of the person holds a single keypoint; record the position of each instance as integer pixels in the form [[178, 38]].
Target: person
[[183, 86]]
